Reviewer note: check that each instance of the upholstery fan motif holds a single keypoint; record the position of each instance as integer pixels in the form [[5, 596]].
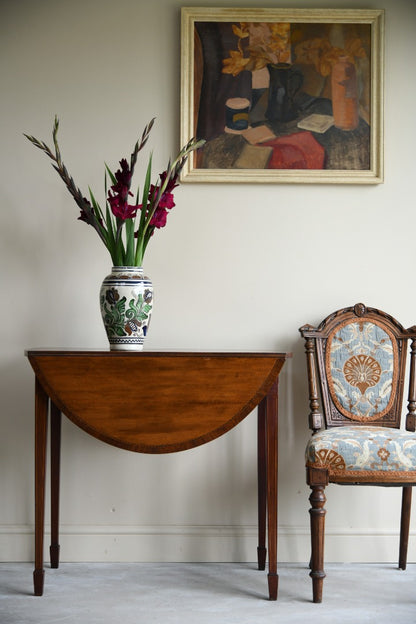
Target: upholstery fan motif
[[362, 371]]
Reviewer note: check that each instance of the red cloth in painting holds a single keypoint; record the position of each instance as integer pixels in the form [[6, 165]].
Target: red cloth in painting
[[296, 151]]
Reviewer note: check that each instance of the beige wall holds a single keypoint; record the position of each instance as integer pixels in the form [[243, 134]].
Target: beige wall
[[238, 267]]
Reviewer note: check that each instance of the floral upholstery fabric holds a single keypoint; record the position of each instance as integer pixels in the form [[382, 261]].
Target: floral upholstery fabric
[[361, 360], [364, 452]]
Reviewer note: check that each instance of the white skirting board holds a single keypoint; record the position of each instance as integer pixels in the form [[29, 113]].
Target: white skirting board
[[182, 543]]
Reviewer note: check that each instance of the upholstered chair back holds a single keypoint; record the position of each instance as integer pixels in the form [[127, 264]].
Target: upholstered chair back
[[356, 360]]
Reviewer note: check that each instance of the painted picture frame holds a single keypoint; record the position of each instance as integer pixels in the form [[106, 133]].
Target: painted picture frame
[[283, 95]]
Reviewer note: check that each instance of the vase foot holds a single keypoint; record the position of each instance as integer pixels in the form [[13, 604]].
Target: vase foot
[[126, 347]]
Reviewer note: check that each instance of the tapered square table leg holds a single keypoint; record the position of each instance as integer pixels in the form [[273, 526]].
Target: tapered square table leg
[[272, 475], [41, 426], [261, 484], [56, 419]]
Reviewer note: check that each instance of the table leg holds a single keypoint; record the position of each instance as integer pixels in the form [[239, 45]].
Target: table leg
[[272, 469], [56, 419], [261, 484], [41, 426]]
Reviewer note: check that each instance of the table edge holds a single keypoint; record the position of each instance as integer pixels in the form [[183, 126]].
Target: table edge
[[57, 352]]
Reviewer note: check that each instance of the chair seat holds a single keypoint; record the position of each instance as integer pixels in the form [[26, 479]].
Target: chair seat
[[364, 454]]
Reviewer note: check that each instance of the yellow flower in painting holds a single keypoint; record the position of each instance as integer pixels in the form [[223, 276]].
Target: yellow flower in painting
[[267, 43], [280, 36], [314, 52], [355, 48], [281, 29], [320, 53], [235, 63], [241, 31]]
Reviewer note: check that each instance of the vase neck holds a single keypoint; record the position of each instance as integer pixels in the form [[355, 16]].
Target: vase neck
[[127, 269]]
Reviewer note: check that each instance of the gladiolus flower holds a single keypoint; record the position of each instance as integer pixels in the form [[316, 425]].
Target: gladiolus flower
[[159, 218], [119, 201], [161, 213], [121, 209], [89, 218], [165, 203], [115, 224], [123, 177]]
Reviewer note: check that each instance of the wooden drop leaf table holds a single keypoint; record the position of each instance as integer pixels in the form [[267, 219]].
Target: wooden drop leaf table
[[155, 402]]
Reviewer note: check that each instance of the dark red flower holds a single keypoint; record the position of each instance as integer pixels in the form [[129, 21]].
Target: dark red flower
[[83, 216], [172, 183], [161, 213], [91, 216], [121, 209], [123, 176], [166, 201], [159, 218], [118, 198]]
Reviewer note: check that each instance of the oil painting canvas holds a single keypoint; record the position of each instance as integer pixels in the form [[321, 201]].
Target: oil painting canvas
[[283, 95]]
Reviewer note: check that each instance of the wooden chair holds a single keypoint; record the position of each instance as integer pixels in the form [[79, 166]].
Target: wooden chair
[[356, 362]]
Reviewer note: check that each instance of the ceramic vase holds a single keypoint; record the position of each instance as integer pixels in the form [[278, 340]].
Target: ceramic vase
[[126, 302]]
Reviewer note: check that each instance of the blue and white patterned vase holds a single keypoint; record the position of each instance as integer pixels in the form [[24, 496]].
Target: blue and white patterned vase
[[126, 301]]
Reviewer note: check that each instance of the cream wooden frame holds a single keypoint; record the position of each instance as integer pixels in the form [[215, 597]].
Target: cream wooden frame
[[374, 175]]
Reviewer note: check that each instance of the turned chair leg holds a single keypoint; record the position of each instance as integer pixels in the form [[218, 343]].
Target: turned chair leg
[[317, 515], [404, 525]]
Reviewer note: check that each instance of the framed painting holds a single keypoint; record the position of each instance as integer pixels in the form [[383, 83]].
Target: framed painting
[[283, 95]]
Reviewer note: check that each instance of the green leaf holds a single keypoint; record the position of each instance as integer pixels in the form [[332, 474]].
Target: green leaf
[[119, 243], [129, 242], [138, 259], [96, 205], [112, 247], [111, 174], [146, 189]]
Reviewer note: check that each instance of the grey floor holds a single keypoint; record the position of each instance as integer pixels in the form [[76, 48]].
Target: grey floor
[[205, 593]]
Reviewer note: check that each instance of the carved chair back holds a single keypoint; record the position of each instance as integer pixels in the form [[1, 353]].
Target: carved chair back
[[356, 366]]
